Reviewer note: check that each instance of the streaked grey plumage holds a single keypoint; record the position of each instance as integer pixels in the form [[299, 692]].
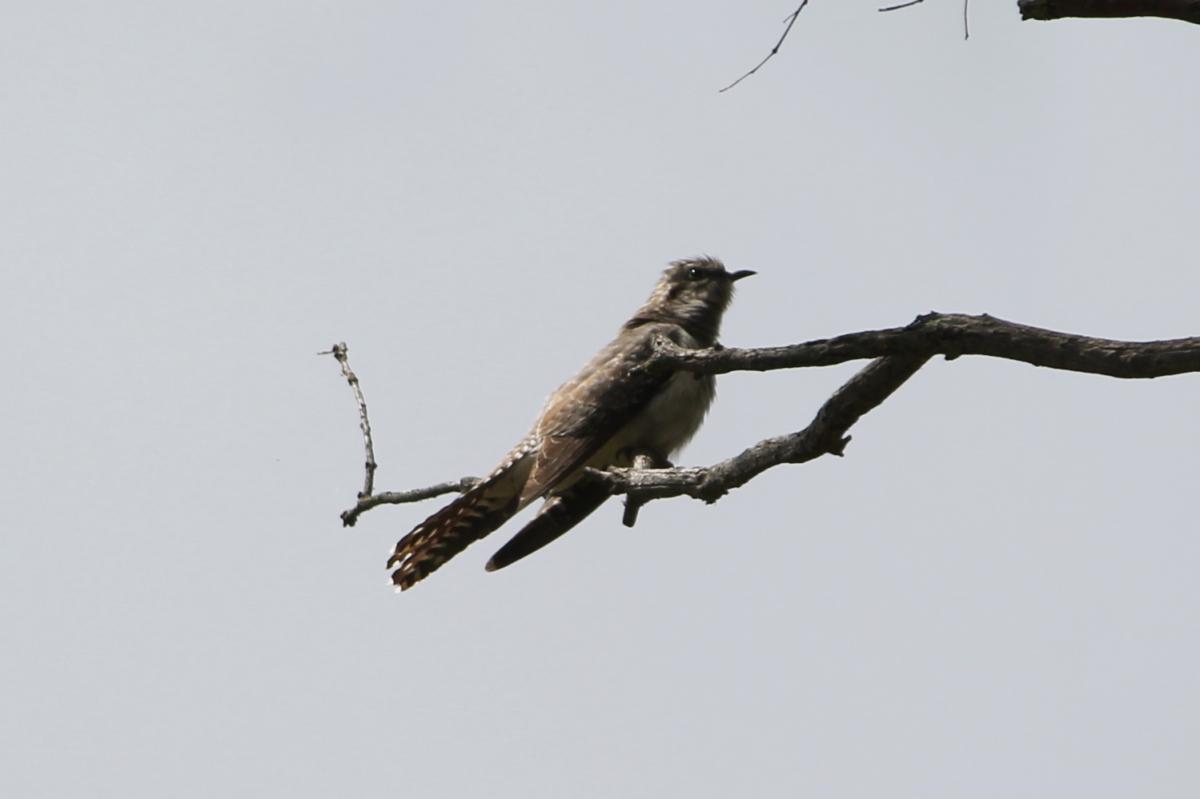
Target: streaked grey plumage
[[601, 417]]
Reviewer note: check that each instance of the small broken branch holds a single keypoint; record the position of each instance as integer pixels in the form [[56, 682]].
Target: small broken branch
[[642, 461], [367, 499]]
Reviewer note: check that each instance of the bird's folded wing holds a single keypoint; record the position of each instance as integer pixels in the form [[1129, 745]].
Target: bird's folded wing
[[587, 411]]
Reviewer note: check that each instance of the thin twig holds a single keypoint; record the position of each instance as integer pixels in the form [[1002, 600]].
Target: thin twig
[[790, 20], [910, 3], [341, 352], [365, 503], [902, 5]]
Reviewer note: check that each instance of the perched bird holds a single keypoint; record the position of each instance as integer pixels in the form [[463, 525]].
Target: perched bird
[[604, 416]]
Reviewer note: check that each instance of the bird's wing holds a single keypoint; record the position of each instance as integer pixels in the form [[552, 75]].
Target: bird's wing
[[587, 411]]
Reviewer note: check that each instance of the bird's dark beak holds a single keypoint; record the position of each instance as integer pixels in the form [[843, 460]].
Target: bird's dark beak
[[741, 274]]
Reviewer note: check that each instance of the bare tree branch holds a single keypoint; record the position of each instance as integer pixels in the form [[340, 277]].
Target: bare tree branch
[[790, 20], [953, 335], [897, 354], [1183, 10]]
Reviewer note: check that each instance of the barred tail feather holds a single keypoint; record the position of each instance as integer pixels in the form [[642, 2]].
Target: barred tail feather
[[465, 520], [448, 532]]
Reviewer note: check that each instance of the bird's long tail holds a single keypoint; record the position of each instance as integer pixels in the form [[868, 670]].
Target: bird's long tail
[[449, 531], [557, 516]]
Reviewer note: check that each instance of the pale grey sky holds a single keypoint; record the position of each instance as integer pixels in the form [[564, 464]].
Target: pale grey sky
[[993, 595]]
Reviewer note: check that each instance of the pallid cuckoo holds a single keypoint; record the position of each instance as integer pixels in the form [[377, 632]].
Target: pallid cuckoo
[[602, 417]]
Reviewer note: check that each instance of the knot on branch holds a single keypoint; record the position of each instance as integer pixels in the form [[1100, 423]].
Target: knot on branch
[[943, 332], [709, 489]]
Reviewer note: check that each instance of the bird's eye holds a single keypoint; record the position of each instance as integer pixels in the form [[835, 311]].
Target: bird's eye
[[695, 273]]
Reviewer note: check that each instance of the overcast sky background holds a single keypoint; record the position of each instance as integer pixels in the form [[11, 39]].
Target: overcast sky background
[[993, 595]]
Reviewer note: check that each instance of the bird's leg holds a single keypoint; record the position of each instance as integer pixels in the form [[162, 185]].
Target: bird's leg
[[641, 459]]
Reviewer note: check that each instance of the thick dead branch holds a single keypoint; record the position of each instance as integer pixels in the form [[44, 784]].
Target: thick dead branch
[[897, 354], [1183, 10], [953, 335]]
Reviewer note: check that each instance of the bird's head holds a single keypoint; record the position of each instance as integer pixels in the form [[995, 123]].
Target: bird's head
[[694, 293]]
